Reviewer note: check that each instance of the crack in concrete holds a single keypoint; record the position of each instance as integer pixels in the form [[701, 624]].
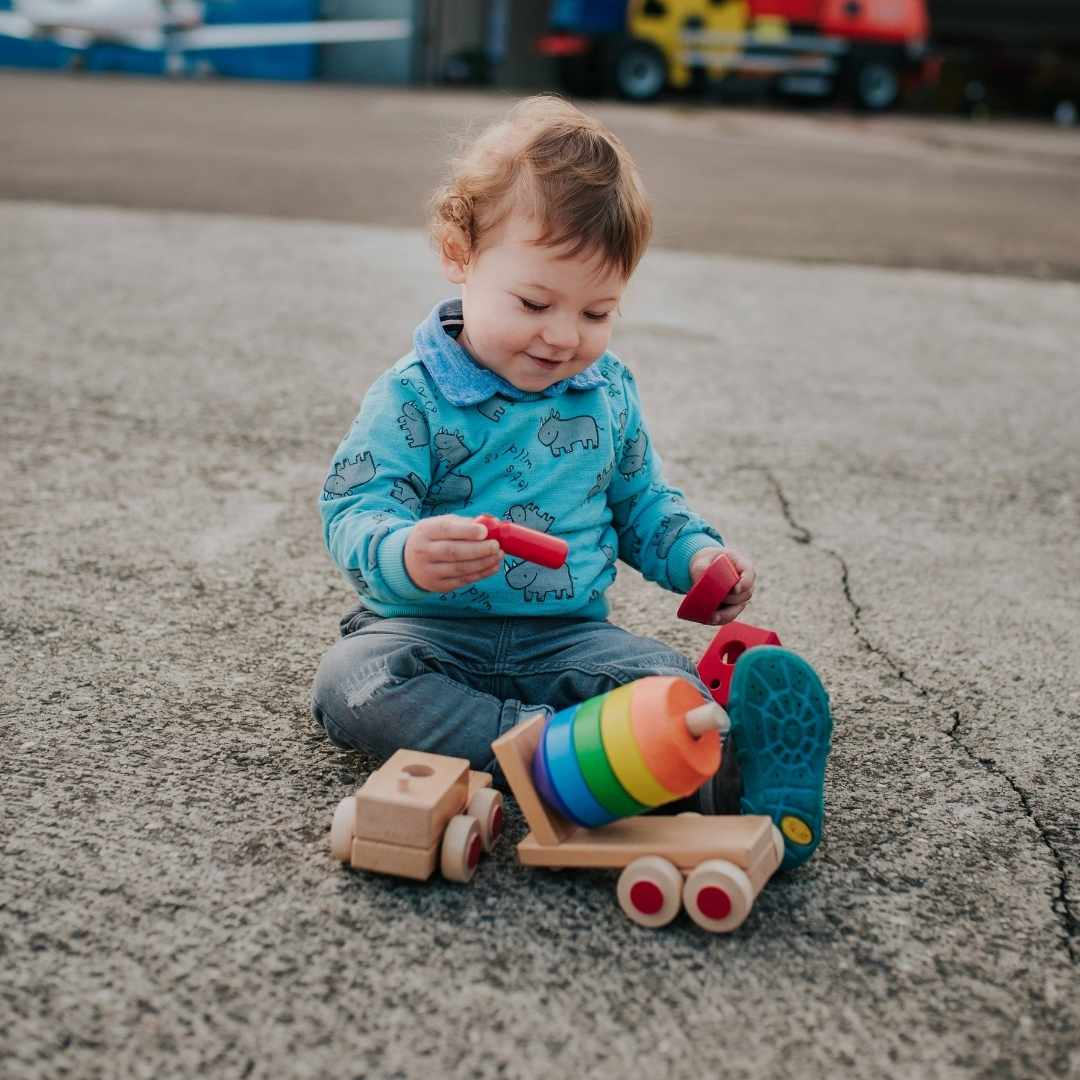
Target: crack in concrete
[[1061, 904]]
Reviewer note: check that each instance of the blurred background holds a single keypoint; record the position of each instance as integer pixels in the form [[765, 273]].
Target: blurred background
[[977, 58], [937, 134]]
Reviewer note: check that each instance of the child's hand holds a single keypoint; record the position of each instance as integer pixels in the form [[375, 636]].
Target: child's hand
[[444, 553], [740, 595]]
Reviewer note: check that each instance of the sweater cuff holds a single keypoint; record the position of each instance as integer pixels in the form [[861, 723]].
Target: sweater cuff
[[391, 561], [680, 555]]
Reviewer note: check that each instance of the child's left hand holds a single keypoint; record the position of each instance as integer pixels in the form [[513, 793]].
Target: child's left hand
[[740, 595]]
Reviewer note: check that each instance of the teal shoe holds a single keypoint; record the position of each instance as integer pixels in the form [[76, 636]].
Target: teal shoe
[[782, 730]]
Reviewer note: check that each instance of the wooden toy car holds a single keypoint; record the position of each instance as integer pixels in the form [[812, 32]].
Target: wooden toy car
[[415, 812], [713, 866]]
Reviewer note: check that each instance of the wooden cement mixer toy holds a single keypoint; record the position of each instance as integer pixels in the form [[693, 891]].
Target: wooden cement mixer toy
[[581, 775], [416, 812]]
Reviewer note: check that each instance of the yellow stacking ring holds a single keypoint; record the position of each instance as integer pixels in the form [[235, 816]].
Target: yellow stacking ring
[[624, 755]]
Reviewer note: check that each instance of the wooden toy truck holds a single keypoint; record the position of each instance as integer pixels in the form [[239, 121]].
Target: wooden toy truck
[[419, 811], [713, 866], [415, 812]]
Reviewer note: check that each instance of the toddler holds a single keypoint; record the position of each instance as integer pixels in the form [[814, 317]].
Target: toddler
[[511, 404]]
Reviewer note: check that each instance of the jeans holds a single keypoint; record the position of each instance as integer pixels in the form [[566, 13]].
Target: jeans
[[450, 686]]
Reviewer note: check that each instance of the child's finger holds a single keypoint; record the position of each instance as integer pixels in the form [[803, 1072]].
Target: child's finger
[[728, 613], [464, 567], [456, 581], [458, 551], [453, 527]]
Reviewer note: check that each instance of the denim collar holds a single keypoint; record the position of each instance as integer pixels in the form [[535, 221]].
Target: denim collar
[[461, 380]]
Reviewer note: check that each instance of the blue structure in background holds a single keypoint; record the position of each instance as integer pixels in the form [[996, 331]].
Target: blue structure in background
[[290, 62], [588, 16]]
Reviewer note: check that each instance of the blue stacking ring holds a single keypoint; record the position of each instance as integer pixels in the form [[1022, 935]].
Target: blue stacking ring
[[565, 773], [541, 773]]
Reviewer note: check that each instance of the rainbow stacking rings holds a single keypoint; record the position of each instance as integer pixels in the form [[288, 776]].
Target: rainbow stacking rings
[[624, 752]]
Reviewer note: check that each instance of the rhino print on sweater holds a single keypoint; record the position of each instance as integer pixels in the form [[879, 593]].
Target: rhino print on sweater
[[493, 409], [537, 582], [409, 492], [414, 423], [349, 475], [561, 436], [602, 478], [450, 448], [531, 516], [452, 488], [633, 459], [670, 529]]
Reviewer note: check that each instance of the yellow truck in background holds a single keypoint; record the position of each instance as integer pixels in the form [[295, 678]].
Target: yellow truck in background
[[867, 50]]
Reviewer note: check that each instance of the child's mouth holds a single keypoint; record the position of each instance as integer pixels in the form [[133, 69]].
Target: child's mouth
[[547, 365]]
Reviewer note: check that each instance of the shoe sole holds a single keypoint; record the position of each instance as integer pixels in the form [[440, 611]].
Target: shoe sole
[[782, 729]]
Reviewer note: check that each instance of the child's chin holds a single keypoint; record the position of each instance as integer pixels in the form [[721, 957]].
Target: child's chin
[[535, 383]]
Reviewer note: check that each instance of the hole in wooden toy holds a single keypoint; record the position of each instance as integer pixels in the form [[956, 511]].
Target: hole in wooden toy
[[418, 770], [732, 651], [715, 684]]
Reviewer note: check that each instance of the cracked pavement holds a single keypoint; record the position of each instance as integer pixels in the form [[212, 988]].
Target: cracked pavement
[[899, 451]]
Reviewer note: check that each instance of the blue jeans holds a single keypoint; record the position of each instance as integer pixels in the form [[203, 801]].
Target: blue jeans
[[452, 686]]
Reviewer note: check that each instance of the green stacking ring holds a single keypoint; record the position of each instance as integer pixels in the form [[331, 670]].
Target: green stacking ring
[[593, 762]]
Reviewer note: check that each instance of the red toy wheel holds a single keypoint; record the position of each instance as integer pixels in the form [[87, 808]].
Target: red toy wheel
[[486, 806], [718, 896], [461, 848], [649, 891]]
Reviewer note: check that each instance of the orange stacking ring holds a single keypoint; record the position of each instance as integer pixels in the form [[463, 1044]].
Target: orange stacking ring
[[680, 762], [622, 751]]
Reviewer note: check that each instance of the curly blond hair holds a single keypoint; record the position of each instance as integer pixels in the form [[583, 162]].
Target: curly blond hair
[[560, 166]]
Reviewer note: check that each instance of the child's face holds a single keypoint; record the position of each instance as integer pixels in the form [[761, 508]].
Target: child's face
[[530, 316]]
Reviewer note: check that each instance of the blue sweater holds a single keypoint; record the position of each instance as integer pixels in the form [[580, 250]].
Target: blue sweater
[[438, 434]]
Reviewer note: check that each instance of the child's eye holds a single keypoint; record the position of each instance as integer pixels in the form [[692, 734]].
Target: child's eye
[[597, 316], [530, 306]]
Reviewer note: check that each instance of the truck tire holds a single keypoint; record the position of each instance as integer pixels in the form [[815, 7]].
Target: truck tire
[[638, 71], [875, 84]]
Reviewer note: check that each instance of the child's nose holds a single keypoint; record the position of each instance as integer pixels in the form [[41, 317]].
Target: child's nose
[[561, 333]]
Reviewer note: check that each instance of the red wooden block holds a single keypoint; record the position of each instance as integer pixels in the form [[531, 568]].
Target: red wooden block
[[701, 602], [718, 664], [530, 544]]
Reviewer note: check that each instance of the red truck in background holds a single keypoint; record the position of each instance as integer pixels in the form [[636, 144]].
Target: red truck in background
[[867, 50]]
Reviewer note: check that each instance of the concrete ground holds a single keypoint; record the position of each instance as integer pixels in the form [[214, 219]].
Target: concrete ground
[[897, 448], [816, 186]]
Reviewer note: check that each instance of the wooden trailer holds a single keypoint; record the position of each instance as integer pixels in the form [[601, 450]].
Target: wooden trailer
[[715, 867]]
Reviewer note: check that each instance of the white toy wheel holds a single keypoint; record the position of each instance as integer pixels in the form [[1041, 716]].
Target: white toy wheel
[[342, 829], [649, 891], [460, 848], [778, 843], [718, 896], [486, 806]]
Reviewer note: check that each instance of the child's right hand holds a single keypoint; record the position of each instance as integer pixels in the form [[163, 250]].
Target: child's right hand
[[444, 553]]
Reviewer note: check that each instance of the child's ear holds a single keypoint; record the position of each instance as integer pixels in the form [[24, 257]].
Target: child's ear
[[455, 257]]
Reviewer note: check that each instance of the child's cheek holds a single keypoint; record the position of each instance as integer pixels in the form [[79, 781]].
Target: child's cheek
[[598, 340]]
